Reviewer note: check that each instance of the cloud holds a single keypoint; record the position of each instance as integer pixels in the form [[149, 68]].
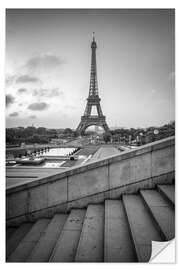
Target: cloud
[[14, 114], [153, 91], [47, 92], [27, 79], [32, 116], [9, 79], [22, 90], [44, 61], [9, 100], [70, 107], [38, 106]]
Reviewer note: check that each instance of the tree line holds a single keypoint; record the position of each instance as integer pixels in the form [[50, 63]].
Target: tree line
[[43, 135]]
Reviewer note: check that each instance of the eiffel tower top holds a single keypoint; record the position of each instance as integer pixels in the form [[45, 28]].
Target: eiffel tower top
[[93, 88], [93, 44]]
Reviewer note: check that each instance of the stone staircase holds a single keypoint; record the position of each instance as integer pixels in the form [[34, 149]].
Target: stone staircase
[[118, 230]]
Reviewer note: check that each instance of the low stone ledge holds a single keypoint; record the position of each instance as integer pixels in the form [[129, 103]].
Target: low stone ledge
[[100, 197], [96, 164], [81, 182]]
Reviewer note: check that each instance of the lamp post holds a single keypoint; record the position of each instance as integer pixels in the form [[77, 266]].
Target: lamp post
[[130, 139], [156, 132], [141, 136]]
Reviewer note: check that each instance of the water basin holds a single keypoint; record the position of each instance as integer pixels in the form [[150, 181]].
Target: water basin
[[57, 152]]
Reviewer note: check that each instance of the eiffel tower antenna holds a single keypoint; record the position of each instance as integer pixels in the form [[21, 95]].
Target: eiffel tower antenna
[[93, 99]]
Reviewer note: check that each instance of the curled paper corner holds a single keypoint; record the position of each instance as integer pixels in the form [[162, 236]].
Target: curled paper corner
[[163, 252]]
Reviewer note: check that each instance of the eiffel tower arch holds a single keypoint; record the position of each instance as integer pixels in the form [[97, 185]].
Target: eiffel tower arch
[[93, 100]]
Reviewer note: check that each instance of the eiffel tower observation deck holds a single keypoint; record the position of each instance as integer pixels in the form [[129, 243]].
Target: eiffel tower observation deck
[[93, 99]]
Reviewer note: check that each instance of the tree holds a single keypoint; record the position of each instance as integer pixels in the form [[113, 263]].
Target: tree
[[68, 131], [107, 137], [41, 130]]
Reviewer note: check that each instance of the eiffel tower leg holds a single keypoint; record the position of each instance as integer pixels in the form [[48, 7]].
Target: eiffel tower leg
[[81, 128], [106, 128], [99, 110], [88, 109]]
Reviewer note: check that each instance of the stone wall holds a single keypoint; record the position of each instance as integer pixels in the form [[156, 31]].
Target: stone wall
[[126, 172]]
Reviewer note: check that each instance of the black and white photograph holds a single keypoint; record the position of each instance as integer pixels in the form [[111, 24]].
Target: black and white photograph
[[89, 134]]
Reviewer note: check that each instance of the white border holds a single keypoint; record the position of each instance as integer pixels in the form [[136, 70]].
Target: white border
[[78, 4]]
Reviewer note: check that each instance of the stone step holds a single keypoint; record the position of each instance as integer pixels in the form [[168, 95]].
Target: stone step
[[9, 232], [65, 249], [142, 227], [168, 191], [161, 211], [90, 247], [118, 246], [29, 241], [45, 245], [17, 236]]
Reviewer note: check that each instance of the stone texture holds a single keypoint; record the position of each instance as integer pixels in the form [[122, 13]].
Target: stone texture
[[90, 247], [140, 167], [65, 249], [163, 161], [161, 211], [83, 202], [17, 203], [9, 232], [168, 191], [38, 198], [16, 238], [130, 170], [119, 173], [57, 192], [45, 245], [142, 228], [29, 241], [118, 246], [87, 183], [124, 234]]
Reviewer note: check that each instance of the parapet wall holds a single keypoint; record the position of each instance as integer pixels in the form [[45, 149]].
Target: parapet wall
[[126, 172]]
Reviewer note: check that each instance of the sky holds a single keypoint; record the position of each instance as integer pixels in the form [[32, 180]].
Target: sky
[[48, 56]]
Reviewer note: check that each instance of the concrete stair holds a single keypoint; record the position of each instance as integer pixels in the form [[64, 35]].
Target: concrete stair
[[16, 238], [30, 240], [162, 213], [42, 251], [141, 225], [168, 192], [9, 232], [66, 246], [118, 246], [118, 230], [90, 247]]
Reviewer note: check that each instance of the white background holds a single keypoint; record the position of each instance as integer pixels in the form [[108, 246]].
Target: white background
[[82, 4]]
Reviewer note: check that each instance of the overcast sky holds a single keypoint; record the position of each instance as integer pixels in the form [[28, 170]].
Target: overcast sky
[[48, 59]]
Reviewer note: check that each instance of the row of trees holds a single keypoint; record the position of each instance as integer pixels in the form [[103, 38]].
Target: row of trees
[[43, 135], [15, 136], [29, 135], [142, 136]]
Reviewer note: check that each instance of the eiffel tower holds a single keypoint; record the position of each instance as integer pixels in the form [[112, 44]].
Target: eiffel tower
[[93, 100]]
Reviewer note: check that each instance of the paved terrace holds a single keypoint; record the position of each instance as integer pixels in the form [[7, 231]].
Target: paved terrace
[[23, 174], [95, 181], [104, 152]]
